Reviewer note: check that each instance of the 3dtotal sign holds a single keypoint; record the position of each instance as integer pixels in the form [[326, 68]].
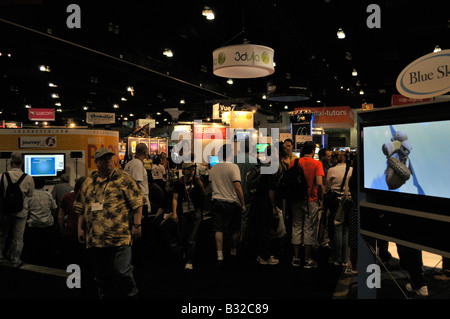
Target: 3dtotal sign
[[426, 77]]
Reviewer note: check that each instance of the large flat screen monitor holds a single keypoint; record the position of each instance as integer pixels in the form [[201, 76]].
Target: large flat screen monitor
[[407, 158], [44, 165]]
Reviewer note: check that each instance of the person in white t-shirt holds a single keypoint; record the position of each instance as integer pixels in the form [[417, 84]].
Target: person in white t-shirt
[[159, 173], [135, 168], [228, 203]]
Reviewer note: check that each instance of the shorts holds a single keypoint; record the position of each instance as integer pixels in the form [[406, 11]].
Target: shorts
[[304, 222], [226, 216]]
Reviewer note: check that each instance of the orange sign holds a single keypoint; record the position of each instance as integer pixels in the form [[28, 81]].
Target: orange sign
[[331, 117]]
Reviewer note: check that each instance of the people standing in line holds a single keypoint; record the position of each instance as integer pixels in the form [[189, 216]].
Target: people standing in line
[[187, 209], [40, 233], [228, 202], [14, 222], [108, 201], [245, 164], [304, 212], [62, 188], [324, 218], [289, 156], [335, 178], [68, 226], [136, 169], [159, 173]]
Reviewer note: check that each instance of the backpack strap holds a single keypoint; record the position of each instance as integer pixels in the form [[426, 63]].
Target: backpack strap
[[18, 181]]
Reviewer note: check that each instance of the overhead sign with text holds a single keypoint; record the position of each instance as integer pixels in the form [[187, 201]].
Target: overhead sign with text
[[41, 114], [100, 118], [426, 77]]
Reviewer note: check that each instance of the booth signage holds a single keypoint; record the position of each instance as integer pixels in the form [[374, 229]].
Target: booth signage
[[209, 132], [426, 77], [142, 122], [41, 114], [331, 117], [398, 99], [37, 142], [241, 119], [100, 118]]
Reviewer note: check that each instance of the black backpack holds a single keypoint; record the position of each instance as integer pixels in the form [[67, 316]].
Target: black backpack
[[293, 185], [253, 180], [12, 200]]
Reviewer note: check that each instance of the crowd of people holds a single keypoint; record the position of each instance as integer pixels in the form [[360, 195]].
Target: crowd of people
[[114, 211]]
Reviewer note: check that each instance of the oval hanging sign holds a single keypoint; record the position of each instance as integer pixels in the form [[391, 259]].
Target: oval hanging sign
[[426, 77]]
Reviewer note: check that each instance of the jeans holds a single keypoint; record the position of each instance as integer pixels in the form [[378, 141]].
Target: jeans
[[341, 250], [18, 228], [113, 272], [190, 224]]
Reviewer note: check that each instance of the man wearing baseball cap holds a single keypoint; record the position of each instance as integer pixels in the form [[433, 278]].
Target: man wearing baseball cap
[[106, 202]]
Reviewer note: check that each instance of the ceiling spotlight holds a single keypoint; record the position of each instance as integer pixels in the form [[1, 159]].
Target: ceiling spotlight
[[354, 73], [116, 106], [124, 99], [286, 107], [58, 104], [168, 53], [44, 68], [85, 108], [230, 81], [208, 13], [52, 85], [341, 34], [437, 49], [28, 106], [59, 110], [182, 102], [55, 96], [361, 92]]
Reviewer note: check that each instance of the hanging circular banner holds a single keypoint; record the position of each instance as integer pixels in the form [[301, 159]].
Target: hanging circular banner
[[243, 61]]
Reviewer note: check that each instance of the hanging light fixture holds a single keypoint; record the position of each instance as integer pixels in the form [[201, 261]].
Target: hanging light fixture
[[354, 73], [437, 49], [341, 34]]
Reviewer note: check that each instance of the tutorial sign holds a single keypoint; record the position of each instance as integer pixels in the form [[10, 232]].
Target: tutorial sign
[[426, 77]]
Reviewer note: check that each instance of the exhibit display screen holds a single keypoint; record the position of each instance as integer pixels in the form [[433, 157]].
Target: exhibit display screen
[[213, 160], [408, 158], [261, 147], [44, 165]]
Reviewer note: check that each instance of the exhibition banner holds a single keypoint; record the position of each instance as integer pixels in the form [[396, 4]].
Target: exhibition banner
[[41, 114]]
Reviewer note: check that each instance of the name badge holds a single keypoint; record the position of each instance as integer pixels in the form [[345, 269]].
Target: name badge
[[187, 207], [97, 207]]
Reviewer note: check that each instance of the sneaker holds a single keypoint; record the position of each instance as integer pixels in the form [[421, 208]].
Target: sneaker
[[295, 262], [422, 291], [219, 263], [310, 264], [270, 261], [189, 266]]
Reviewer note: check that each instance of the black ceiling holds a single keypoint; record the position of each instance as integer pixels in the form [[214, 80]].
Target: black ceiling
[[94, 65]]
